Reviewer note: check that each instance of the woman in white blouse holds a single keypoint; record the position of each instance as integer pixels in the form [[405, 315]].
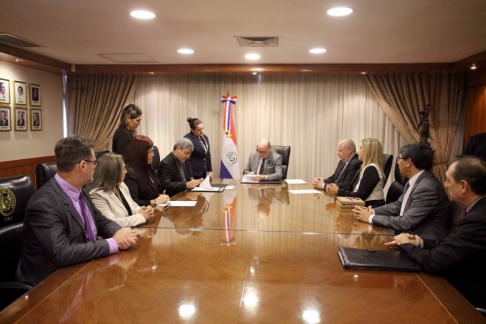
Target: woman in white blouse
[[111, 195]]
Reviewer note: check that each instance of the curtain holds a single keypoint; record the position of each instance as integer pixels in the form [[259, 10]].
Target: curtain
[[94, 104], [310, 113], [403, 96]]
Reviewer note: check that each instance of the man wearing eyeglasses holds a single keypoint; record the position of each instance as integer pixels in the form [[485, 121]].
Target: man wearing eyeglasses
[[423, 208], [172, 171], [62, 226], [265, 164]]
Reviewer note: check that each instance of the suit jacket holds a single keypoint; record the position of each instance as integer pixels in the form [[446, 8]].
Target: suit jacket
[[345, 181], [427, 213], [54, 234], [121, 139], [272, 168], [476, 145], [199, 164], [112, 207], [170, 176], [36, 123], [21, 122], [461, 257], [4, 122]]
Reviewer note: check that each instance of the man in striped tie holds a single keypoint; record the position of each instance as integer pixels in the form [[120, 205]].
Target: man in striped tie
[[460, 257]]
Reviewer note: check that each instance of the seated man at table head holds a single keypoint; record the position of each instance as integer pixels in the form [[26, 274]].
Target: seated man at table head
[[62, 225], [172, 171], [346, 169], [424, 207], [461, 256], [265, 163]]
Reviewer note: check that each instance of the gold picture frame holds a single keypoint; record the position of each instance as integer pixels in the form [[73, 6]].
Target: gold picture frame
[[35, 95], [35, 119], [21, 119], [5, 119], [4, 91], [20, 93]]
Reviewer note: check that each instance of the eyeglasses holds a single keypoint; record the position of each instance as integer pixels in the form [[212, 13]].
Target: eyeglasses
[[95, 162], [400, 158]]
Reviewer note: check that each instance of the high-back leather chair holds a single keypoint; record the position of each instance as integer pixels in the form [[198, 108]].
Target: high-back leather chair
[[44, 172], [100, 153], [396, 187], [387, 165], [156, 159], [14, 194], [284, 151]]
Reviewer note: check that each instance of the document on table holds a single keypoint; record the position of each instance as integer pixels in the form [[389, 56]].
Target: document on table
[[305, 191], [295, 181], [249, 178], [206, 186], [183, 203]]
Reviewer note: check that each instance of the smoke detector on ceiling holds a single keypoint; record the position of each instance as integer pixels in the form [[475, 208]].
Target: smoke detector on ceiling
[[264, 41]]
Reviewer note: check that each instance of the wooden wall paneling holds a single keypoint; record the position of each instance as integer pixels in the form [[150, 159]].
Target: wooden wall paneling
[[25, 166]]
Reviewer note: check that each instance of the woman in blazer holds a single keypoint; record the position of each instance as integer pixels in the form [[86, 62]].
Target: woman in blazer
[[199, 164], [130, 119], [112, 197], [141, 179], [368, 183]]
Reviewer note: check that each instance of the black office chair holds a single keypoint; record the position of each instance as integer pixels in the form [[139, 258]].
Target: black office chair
[[396, 188], [284, 151], [44, 172], [100, 153], [15, 193], [387, 165], [156, 159], [398, 176]]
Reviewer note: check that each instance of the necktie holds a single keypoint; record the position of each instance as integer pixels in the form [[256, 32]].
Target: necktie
[[340, 173], [463, 214], [405, 198], [261, 167], [87, 220]]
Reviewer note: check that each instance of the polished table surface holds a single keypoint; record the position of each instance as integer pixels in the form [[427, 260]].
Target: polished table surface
[[257, 254]]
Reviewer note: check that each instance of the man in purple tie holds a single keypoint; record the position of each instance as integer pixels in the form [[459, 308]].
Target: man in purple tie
[[62, 226]]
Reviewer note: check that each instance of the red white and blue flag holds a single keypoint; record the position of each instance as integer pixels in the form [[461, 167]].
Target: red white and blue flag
[[229, 157]]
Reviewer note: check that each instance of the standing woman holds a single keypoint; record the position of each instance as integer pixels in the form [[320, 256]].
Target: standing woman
[[368, 183], [111, 195], [199, 164], [129, 121], [141, 180]]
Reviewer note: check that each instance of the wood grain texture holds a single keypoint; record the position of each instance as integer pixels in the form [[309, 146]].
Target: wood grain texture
[[25, 166]]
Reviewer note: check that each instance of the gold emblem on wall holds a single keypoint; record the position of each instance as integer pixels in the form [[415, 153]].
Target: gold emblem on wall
[[7, 202]]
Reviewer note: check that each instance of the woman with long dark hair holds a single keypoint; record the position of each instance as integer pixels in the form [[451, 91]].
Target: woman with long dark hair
[[199, 164], [130, 119], [141, 179]]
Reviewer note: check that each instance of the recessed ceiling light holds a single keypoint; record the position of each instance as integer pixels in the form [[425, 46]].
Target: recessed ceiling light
[[252, 56], [185, 51], [317, 50], [305, 70], [473, 67], [151, 72], [254, 73], [142, 14], [340, 11], [18, 60], [363, 72], [257, 69]]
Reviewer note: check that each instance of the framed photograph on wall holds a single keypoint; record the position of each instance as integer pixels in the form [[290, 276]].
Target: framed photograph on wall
[[4, 91], [5, 120], [35, 95], [35, 119], [20, 92], [21, 123]]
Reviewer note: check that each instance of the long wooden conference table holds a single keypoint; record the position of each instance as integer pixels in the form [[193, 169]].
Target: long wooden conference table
[[255, 254]]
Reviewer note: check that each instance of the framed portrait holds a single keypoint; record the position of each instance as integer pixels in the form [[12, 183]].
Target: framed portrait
[[35, 95], [20, 92], [21, 123], [5, 120], [35, 119], [4, 91]]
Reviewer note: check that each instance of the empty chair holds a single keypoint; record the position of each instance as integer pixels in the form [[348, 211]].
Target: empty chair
[[15, 193], [284, 151], [44, 172]]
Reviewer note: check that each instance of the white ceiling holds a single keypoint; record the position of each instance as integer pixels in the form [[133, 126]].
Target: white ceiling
[[379, 31]]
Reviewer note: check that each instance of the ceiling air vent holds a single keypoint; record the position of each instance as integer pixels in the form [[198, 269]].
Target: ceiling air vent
[[12, 40], [258, 41], [128, 58]]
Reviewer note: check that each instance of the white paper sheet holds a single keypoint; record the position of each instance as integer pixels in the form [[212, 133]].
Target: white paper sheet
[[229, 187], [180, 204], [305, 191], [295, 181], [249, 178]]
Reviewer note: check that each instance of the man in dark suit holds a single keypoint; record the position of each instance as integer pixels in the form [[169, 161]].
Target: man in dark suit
[[476, 145], [461, 256], [347, 167], [62, 225], [172, 171], [265, 164], [423, 208], [3, 119], [21, 120]]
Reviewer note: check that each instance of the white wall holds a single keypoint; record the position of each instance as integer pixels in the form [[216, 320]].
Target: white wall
[[15, 145]]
